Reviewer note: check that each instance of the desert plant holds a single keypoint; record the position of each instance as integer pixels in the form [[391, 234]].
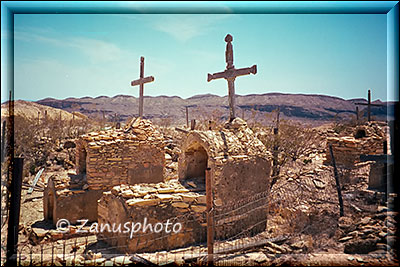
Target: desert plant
[[292, 141]]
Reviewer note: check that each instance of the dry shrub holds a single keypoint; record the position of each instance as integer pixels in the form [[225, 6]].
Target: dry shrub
[[209, 119], [291, 143], [35, 140]]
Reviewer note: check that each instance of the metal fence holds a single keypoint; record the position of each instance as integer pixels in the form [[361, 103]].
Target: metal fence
[[236, 227]]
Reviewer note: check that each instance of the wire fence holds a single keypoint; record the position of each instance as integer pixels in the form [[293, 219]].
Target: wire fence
[[236, 227], [243, 225], [107, 245]]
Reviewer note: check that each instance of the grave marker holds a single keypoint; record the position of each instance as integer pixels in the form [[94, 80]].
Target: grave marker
[[230, 74], [141, 81]]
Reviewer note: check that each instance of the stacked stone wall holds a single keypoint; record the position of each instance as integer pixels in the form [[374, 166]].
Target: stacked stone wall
[[152, 204], [129, 156], [347, 149]]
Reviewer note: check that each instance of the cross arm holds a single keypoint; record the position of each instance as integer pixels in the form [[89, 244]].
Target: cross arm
[[142, 80], [232, 73], [366, 104], [215, 76], [246, 71]]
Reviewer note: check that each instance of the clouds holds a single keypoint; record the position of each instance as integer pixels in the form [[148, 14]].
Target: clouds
[[181, 27], [184, 27], [96, 50], [64, 55]]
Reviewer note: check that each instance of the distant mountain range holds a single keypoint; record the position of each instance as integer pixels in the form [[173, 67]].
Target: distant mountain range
[[301, 107], [35, 111]]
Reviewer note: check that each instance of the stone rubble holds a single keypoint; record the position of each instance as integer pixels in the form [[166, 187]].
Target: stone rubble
[[369, 235]]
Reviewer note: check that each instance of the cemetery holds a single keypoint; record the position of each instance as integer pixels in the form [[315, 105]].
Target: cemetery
[[234, 192]]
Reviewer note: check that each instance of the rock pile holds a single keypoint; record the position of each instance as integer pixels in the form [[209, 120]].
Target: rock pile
[[372, 234]]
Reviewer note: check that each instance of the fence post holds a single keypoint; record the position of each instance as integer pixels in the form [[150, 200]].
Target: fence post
[[277, 117], [275, 167], [192, 124], [339, 191], [187, 117], [275, 171], [385, 171], [3, 141], [357, 114], [15, 205], [210, 219], [369, 105]]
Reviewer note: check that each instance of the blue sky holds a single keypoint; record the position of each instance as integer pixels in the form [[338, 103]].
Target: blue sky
[[71, 55]]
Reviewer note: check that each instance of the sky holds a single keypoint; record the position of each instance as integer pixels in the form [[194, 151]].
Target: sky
[[77, 55]]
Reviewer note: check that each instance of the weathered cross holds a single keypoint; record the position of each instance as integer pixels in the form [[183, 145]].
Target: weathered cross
[[141, 81], [369, 104], [230, 74]]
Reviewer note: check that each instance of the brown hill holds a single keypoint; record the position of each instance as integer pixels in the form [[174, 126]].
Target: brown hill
[[302, 107], [32, 111]]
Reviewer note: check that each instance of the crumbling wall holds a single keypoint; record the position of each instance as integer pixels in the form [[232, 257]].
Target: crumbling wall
[[64, 200], [367, 139], [151, 204], [123, 156], [76, 204]]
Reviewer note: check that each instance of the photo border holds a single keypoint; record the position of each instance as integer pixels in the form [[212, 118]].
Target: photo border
[[390, 8]]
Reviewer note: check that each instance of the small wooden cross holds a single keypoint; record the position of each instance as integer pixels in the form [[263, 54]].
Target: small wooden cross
[[141, 81], [369, 104], [230, 74]]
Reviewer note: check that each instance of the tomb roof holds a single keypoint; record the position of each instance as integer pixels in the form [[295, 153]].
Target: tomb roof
[[234, 139], [137, 129]]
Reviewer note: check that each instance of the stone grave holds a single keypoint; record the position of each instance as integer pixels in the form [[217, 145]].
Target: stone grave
[[105, 159], [239, 166]]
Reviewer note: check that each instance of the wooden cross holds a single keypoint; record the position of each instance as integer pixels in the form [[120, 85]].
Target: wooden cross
[[230, 74], [141, 81], [369, 104]]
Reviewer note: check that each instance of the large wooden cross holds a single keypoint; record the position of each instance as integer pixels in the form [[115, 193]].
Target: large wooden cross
[[369, 104], [230, 74], [141, 81]]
